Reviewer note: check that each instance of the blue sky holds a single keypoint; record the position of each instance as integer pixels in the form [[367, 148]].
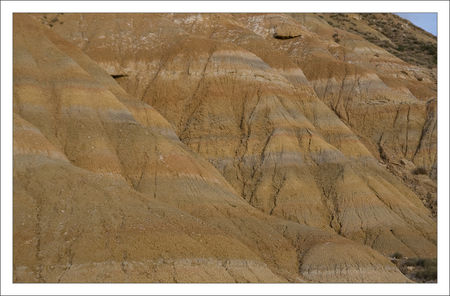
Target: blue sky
[[427, 21]]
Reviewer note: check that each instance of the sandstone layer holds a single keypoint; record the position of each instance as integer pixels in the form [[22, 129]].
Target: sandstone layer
[[214, 148]]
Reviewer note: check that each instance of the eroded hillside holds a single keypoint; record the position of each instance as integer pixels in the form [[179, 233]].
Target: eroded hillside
[[391, 32], [216, 147]]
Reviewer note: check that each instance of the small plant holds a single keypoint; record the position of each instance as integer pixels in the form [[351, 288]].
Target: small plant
[[427, 274], [418, 269], [419, 171], [415, 262], [336, 38], [430, 48], [397, 255]]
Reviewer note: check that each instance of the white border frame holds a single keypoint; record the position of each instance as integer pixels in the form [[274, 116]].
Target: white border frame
[[441, 288]]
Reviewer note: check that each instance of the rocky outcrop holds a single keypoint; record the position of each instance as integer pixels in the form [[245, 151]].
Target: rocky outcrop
[[287, 31]]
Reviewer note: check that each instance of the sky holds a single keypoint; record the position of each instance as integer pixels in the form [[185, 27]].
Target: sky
[[426, 21]]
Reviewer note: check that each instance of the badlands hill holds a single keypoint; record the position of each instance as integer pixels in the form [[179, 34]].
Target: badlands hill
[[217, 148], [391, 32]]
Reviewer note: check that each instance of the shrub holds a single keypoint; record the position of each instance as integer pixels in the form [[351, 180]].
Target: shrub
[[423, 269], [397, 255], [419, 171], [427, 274], [336, 37], [430, 48], [430, 263], [415, 262]]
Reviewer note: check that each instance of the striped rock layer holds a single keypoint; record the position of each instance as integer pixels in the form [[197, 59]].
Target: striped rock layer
[[214, 160], [240, 98]]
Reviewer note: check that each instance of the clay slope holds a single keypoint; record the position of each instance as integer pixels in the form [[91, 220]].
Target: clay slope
[[401, 97], [246, 92], [104, 191], [391, 32], [389, 104]]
